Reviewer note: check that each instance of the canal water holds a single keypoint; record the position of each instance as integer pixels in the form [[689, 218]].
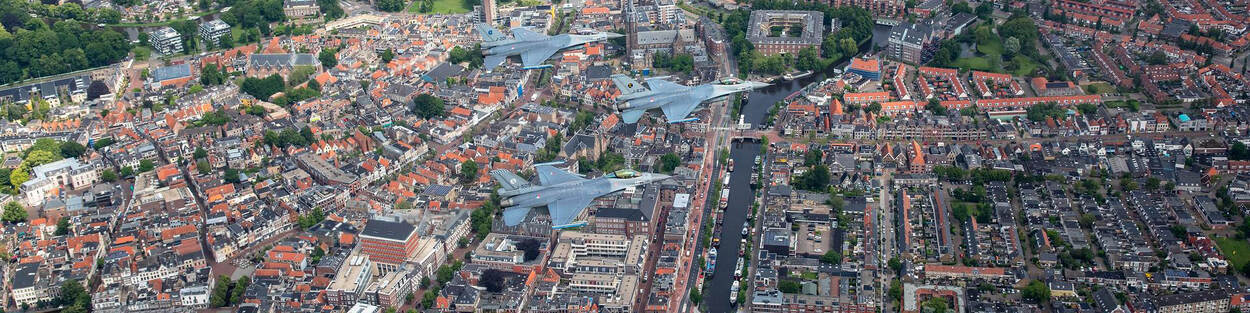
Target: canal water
[[740, 200]]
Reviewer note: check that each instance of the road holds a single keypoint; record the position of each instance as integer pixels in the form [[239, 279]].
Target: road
[[195, 192]]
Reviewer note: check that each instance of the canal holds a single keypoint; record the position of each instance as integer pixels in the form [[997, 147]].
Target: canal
[[740, 199]]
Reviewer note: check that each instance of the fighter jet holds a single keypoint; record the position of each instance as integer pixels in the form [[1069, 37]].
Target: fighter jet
[[534, 48], [676, 100], [564, 194]]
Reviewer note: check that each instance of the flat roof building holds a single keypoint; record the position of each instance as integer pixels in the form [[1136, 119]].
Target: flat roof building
[[782, 31], [389, 244]]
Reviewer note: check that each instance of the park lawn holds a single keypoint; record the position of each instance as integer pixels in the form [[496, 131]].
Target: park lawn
[[992, 47], [1024, 65], [1101, 88], [1237, 251], [441, 7], [974, 63]]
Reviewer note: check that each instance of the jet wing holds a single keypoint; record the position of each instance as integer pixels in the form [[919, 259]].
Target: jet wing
[[563, 211], [525, 34], [508, 180], [627, 85], [549, 175], [632, 116], [680, 108], [662, 85], [536, 56], [493, 61]]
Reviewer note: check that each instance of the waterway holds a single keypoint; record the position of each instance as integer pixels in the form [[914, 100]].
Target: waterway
[[740, 198]]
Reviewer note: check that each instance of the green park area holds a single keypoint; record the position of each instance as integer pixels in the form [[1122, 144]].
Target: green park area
[[1237, 251], [439, 6]]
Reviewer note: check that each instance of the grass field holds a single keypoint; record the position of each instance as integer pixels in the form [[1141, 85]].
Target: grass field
[[974, 63], [1237, 251], [440, 7], [992, 47], [1024, 65], [1100, 88]]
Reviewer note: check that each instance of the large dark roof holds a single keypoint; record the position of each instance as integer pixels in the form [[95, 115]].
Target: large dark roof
[[389, 230], [629, 214]]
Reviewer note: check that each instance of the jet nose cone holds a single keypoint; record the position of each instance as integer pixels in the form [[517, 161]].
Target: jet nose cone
[[758, 85], [613, 35]]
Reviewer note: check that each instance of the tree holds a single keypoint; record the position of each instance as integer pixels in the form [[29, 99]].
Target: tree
[[14, 212], [74, 297], [831, 257], [263, 88], [240, 286], [492, 280], [427, 106], [388, 54], [62, 226], [1239, 151], [1036, 291], [530, 246], [108, 175], [390, 5], [934, 105], [848, 46], [71, 149], [669, 162], [1011, 46], [311, 218], [473, 56], [328, 58], [935, 305], [813, 157], [815, 179], [872, 108], [146, 165], [232, 176], [203, 167], [789, 286], [200, 153], [468, 172], [695, 296]]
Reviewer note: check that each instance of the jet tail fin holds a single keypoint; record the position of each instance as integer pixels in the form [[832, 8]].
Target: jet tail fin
[[508, 180], [489, 33], [515, 215], [627, 85]]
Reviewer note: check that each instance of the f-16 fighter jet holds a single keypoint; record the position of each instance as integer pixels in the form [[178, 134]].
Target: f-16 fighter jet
[[534, 48], [676, 100], [564, 194]]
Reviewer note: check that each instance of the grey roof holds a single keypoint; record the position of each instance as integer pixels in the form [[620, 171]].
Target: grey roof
[[442, 72], [630, 214], [397, 231], [283, 60], [813, 26], [24, 276], [598, 72], [171, 72]]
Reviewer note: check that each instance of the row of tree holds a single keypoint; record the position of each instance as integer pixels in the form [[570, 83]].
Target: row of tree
[[33, 49]]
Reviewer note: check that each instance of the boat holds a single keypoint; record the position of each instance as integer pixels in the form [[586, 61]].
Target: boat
[[733, 292], [738, 271], [711, 262], [731, 165], [757, 160], [724, 198], [746, 227], [793, 76]]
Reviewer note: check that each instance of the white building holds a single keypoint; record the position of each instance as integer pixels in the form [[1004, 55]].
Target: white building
[[211, 31], [166, 41], [46, 180]]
